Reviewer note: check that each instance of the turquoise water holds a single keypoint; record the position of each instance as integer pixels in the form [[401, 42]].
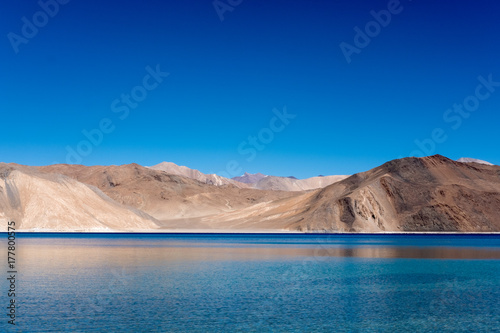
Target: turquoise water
[[255, 283]]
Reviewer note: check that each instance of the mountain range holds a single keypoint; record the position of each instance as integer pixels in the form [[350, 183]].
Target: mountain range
[[248, 180], [406, 195]]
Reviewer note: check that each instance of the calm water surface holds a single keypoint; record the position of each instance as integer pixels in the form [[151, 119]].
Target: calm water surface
[[255, 283]]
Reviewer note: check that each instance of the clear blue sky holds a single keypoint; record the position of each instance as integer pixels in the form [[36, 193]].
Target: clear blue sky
[[226, 77]]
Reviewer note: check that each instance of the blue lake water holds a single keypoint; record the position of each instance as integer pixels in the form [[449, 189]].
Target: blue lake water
[[254, 283]]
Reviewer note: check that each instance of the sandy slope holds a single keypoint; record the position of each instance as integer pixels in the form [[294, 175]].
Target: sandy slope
[[37, 201]]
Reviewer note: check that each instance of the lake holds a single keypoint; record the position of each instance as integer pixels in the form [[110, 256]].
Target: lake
[[254, 283]]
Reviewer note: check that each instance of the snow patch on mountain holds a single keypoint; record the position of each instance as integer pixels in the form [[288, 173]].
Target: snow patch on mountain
[[473, 160]]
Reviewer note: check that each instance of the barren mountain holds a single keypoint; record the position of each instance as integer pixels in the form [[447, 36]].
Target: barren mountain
[[211, 179], [42, 202], [411, 194]]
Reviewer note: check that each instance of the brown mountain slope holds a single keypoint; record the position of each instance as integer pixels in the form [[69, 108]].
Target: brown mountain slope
[[43, 202], [411, 194], [166, 197], [415, 194]]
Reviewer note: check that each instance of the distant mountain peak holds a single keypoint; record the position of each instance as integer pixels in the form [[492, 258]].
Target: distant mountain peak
[[185, 171], [249, 178]]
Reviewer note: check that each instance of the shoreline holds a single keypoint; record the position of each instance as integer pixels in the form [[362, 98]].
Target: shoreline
[[244, 232]]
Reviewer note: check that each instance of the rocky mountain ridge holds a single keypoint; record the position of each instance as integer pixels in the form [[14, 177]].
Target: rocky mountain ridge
[[430, 194]]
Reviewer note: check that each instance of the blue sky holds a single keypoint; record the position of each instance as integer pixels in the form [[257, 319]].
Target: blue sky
[[225, 78]]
